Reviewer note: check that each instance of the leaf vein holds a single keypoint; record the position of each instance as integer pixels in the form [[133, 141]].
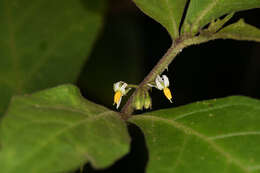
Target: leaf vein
[[28, 12], [235, 134], [178, 160], [210, 109], [203, 13], [191, 131], [60, 132], [173, 21]]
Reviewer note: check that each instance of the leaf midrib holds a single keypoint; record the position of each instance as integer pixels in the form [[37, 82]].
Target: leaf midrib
[[53, 137], [203, 13], [235, 37], [173, 21], [186, 130]]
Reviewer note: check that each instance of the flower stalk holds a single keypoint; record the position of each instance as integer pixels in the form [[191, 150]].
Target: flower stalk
[[163, 64]]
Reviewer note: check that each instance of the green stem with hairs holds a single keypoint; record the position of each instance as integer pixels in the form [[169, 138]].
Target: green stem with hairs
[[163, 63]]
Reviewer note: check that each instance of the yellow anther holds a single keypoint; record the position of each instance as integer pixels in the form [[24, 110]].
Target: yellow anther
[[168, 94], [117, 97]]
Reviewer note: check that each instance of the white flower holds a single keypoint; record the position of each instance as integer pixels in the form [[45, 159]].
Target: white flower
[[162, 83], [120, 90]]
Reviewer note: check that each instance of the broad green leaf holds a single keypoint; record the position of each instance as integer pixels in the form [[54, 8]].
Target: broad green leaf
[[44, 43], [166, 12], [216, 136], [56, 130], [201, 12], [239, 31]]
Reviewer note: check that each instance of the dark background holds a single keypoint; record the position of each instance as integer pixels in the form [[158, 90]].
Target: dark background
[[131, 44]]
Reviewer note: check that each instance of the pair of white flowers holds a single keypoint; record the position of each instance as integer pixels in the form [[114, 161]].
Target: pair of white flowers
[[121, 89]]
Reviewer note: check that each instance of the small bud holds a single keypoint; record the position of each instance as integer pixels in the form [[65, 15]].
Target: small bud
[[138, 104], [139, 100], [147, 101], [142, 100]]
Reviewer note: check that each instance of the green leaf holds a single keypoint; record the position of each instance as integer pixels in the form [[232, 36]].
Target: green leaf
[[201, 12], [213, 136], [166, 12], [45, 43], [218, 24], [239, 31], [56, 130]]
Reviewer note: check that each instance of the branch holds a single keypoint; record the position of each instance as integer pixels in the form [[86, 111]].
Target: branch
[[158, 69]]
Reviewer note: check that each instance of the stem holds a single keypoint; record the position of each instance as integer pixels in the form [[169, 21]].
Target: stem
[[158, 69], [132, 86]]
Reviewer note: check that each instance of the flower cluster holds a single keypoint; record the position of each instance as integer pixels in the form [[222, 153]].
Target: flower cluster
[[161, 83]]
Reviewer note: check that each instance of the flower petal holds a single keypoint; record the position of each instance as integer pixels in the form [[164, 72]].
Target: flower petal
[[150, 85], [124, 85], [116, 86], [159, 82], [122, 89], [165, 81], [118, 104]]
